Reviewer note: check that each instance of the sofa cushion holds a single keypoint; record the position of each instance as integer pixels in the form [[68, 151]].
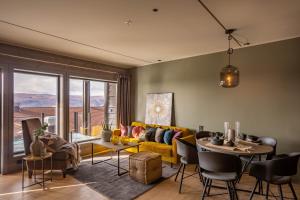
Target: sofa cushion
[[150, 134], [168, 136], [177, 134], [159, 135], [136, 131], [185, 131], [124, 130], [161, 148]]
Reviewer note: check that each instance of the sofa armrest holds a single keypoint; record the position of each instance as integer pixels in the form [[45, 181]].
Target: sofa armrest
[[116, 132]]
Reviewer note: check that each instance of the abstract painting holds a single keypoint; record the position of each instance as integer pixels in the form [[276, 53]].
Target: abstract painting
[[159, 108]]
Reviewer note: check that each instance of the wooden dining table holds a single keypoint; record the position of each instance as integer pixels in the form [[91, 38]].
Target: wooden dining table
[[240, 148]]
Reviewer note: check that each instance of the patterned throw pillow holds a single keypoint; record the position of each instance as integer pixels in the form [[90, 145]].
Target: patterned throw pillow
[[124, 130], [159, 135], [136, 131], [168, 136], [150, 134]]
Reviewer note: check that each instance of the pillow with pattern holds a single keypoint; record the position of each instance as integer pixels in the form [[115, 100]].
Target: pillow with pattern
[[136, 131]]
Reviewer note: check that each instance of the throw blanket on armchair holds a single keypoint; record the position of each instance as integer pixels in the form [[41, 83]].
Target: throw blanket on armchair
[[54, 143]]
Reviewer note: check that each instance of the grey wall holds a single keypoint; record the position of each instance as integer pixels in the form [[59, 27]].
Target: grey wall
[[267, 101]]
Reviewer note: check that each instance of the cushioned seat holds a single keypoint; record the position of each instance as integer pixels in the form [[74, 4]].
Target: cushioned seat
[[223, 176], [162, 149]]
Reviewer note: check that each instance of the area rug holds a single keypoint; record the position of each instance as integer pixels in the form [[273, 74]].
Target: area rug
[[103, 178]]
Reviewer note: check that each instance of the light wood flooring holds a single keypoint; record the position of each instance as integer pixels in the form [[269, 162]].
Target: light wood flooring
[[71, 189]]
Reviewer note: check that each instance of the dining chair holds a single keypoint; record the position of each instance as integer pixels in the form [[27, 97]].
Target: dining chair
[[278, 171], [221, 167], [264, 140], [188, 153]]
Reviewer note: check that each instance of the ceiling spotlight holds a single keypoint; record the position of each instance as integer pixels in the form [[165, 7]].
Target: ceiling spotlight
[[155, 9], [128, 22]]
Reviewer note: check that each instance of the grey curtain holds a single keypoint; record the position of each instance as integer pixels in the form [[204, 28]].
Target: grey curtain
[[124, 100]]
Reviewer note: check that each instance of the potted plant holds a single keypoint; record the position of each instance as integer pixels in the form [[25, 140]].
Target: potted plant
[[37, 147], [106, 131]]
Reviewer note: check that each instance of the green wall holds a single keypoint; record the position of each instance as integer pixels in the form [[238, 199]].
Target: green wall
[[267, 101]]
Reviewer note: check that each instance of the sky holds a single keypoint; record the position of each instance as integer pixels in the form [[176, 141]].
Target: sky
[[39, 84]]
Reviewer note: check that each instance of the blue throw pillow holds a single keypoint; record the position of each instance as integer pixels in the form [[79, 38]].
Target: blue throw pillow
[[168, 137]]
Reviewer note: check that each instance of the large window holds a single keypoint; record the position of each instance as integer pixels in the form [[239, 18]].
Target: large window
[[91, 103], [35, 95]]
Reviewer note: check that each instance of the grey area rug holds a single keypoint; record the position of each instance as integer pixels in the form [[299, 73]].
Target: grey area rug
[[103, 178]]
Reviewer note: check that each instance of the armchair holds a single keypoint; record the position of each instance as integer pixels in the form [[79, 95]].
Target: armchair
[[61, 159]]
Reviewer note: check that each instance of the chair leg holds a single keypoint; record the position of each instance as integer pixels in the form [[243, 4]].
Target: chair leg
[[30, 173], [182, 176], [280, 192], [178, 171], [293, 191], [252, 193], [200, 176], [229, 190], [205, 186], [209, 186], [267, 192], [234, 190]]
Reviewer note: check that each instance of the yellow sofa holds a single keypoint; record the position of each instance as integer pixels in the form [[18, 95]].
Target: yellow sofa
[[168, 152]]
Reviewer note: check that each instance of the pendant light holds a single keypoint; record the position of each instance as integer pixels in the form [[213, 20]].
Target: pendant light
[[229, 76]]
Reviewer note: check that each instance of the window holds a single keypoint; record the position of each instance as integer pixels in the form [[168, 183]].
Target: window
[[35, 95], [91, 103]]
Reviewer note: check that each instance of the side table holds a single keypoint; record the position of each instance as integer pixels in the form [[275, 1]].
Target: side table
[[34, 159]]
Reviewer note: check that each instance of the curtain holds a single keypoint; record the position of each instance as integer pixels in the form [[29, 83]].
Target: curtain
[[124, 100]]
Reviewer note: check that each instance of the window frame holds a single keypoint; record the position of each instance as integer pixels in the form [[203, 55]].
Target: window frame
[[58, 100]]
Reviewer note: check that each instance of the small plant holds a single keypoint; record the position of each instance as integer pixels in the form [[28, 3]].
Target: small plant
[[40, 131], [106, 126]]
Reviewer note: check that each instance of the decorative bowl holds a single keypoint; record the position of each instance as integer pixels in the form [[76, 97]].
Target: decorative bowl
[[217, 141], [251, 138]]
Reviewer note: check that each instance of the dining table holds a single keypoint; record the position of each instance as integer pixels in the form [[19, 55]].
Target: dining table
[[241, 148]]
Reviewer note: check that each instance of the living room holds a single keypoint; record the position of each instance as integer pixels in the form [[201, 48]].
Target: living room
[[125, 99]]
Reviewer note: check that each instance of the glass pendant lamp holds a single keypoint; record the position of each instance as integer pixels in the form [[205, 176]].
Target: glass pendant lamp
[[229, 76]]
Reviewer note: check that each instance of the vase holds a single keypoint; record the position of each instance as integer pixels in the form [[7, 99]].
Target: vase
[[37, 147], [231, 135], [106, 135]]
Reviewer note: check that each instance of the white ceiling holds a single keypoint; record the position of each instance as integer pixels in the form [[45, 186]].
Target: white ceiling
[[180, 29]]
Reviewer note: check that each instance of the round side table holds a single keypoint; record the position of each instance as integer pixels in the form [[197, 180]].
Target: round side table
[[34, 159]]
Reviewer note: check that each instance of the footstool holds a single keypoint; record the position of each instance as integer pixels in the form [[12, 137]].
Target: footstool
[[145, 167]]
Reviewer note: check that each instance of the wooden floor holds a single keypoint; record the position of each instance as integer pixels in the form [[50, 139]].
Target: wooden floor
[[71, 189]]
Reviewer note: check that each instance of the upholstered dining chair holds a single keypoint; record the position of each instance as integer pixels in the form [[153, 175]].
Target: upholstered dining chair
[[221, 167], [188, 153], [278, 171], [61, 159], [265, 140]]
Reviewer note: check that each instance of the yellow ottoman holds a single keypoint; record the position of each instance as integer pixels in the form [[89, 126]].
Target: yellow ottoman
[[145, 167]]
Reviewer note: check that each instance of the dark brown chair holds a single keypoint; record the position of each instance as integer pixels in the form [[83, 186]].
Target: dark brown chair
[[278, 171], [222, 167], [188, 153], [61, 159]]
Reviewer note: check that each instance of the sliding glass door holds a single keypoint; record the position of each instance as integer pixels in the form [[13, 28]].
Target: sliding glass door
[[35, 96], [90, 106]]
